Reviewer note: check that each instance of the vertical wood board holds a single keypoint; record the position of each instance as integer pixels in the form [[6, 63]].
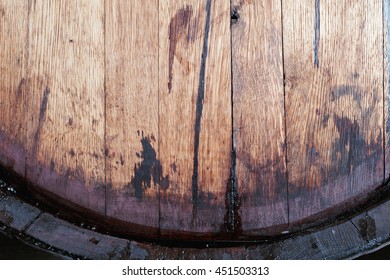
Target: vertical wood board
[[259, 131], [334, 101], [194, 113], [65, 126], [134, 170], [13, 40]]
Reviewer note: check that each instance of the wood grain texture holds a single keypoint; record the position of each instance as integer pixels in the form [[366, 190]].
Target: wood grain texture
[[134, 172], [65, 111], [194, 113], [386, 83], [13, 38], [334, 101], [259, 131]]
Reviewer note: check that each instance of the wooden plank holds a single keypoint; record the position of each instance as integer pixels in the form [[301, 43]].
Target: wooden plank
[[77, 241], [334, 102], [66, 100], [259, 131], [386, 82], [332, 243], [195, 114], [133, 168], [16, 214], [13, 38]]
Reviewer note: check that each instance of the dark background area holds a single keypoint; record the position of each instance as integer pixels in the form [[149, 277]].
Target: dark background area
[[14, 249]]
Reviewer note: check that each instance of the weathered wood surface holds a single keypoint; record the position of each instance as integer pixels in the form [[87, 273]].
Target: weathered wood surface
[[258, 101], [386, 82], [13, 38], [65, 108], [194, 114], [132, 133], [200, 117], [333, 58]]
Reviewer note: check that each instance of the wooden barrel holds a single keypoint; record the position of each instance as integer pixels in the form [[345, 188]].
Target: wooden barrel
[[197, 119]]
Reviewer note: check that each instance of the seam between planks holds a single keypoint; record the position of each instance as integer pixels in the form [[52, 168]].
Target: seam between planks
[[232, 220]]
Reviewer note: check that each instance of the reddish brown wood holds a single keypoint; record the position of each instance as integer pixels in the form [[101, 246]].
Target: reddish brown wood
[[65, 108], [13, 53], [194, 114], [196, 119], [133, 170], [334, 102], [259, 128]]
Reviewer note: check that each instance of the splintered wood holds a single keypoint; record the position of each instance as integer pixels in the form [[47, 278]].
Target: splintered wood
[[196, 119]]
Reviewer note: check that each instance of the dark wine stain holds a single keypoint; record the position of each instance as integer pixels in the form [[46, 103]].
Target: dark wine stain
[[316, 32], [174, 167], [19, 91], [122, 159], [72, 153], [312, 155], [349, 149], [325, 120], [367, 228], [232, 219], [95, 155], [206, 199], [270, 179], [199, 109], [148, 170], [344, 90], [70, 121], [42, 113], [178, 27]]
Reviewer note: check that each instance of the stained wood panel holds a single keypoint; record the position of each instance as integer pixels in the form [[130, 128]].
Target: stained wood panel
[[134, 171], [13, 38], [386, 83], [194, 114], [65, 111], [259, 131], [334, 101]]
